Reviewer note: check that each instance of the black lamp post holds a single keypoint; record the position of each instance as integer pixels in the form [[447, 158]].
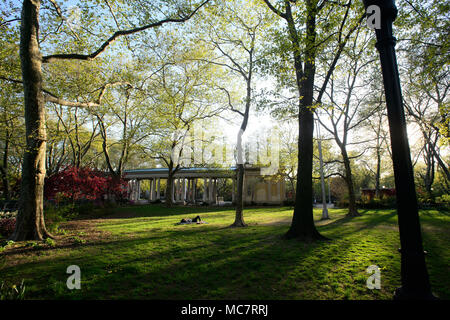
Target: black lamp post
[[414, 275]]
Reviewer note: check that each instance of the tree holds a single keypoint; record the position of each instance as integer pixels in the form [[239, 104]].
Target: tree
[[30, 219], [182, 92], [343, 113], [305, 46], [234, 39]]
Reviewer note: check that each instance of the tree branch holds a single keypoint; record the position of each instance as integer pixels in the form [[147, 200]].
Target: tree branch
[[117, 34]]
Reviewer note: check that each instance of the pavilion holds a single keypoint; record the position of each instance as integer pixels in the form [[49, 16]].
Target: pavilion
[[259, 189]]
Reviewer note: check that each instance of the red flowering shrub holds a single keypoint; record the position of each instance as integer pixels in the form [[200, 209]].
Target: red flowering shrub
[[83, 184], [7, 226]]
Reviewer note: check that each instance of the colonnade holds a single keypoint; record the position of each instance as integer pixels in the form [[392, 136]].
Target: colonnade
[[184, 190], [134, 189]]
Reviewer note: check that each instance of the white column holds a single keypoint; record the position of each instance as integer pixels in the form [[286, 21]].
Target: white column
[[150, 193], [154, 189], [183, 189], [215, 191], [204, 189], [139, 190], [210, 191]]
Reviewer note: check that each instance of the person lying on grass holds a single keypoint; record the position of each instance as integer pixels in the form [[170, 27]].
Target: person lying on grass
[[197, 220]]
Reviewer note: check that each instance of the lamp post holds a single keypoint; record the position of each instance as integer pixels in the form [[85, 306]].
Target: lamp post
[[414, 274]]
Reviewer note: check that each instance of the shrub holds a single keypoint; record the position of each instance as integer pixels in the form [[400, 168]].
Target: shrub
[[443, 201], [377, 203], [342, 203], [84, 184], [8, 215], [50, 242]]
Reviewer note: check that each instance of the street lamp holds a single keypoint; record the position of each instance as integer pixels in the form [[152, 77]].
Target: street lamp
[[414, 274]]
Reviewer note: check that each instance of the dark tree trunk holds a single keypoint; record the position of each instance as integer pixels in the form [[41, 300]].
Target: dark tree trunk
[[239, 217], [169, 186], [352, 209], [302, 226], [30, 220]]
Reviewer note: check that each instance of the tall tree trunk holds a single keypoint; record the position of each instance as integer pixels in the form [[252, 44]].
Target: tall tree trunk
[[239, 216], [30, 220], [302, 226], [4, 168], [429, 175], [352, 209]]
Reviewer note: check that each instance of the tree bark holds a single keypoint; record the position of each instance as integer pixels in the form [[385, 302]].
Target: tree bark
[[239, 216], [352, 208], [30, 220], [169, 186]]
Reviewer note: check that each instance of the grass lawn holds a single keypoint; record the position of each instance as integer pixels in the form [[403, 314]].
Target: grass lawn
[[138, 253]]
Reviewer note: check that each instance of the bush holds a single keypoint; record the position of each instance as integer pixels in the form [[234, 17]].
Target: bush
[[377, 203], [8, 215], [77, 184], [343, 203], [7, 226], [443, 201], [445, 198]]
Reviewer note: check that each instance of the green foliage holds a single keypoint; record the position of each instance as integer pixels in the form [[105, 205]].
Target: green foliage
[[78, 240], [50, 242]]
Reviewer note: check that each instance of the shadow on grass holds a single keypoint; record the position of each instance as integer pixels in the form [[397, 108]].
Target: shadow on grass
[[366, 221], [229, 265], [215, 262]]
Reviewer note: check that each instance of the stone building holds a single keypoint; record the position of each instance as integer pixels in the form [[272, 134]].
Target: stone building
[[200, 185]]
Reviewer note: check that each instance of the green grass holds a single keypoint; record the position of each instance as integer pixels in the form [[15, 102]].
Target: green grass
[[143, 255]]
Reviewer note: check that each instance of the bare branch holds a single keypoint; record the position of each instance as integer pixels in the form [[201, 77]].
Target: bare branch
[[118, 34]]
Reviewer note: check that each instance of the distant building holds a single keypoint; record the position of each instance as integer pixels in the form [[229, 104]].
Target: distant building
[[199, 185]]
